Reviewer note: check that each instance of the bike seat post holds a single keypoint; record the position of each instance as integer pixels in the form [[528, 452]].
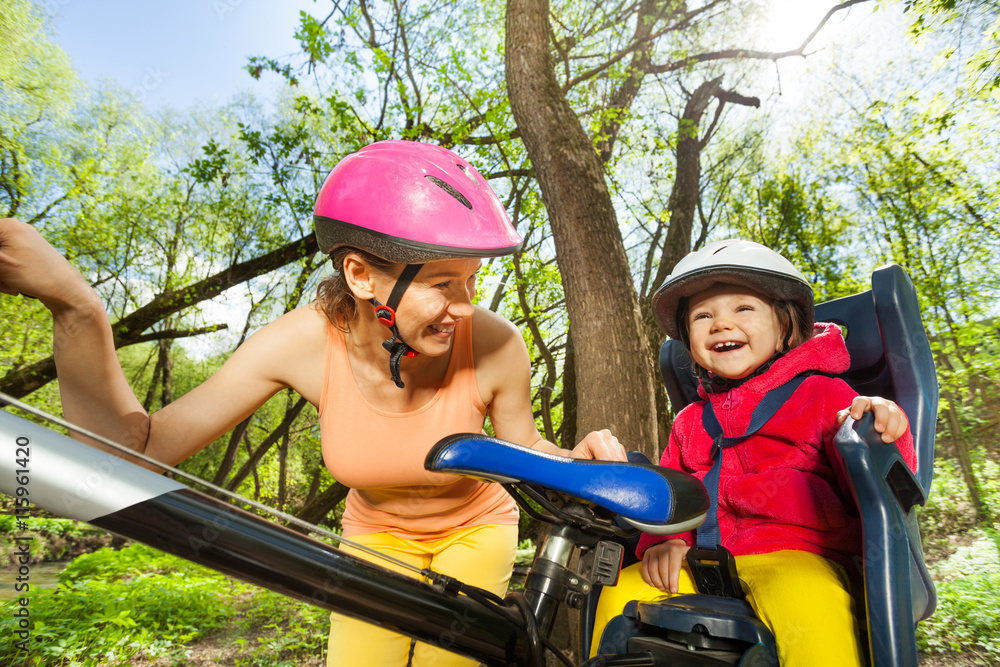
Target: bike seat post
[[551, 581]]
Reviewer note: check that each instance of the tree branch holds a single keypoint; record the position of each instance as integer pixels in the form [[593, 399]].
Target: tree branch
[[750, 54], [170, 334], [129, 329]]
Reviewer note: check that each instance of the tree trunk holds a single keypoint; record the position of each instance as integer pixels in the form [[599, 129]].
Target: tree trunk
[[250, 465], [683, 202], [229, 458], [613, 358], [316, 510], [983, 515], [567, 437]]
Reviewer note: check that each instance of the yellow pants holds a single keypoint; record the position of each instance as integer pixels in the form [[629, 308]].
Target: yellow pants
[[802, 598], [482, 556]]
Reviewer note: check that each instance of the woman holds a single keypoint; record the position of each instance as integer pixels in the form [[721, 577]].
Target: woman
[[393, 353]]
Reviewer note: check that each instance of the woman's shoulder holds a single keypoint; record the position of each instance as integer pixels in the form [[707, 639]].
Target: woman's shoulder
[[500, 355], [303, 324], [291, 349], [491, 332]]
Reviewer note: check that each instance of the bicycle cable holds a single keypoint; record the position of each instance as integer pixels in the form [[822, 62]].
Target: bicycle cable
[[435, 577], [480, 595]]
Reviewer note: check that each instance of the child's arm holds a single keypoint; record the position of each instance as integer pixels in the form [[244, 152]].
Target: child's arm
[[890, 420], [661, 564], [686, 421]]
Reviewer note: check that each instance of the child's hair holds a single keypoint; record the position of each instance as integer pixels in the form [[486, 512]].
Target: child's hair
[[334, 297], [796, 329]]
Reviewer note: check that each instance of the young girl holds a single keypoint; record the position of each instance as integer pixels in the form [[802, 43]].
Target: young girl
[[745, 315], [394, 354]]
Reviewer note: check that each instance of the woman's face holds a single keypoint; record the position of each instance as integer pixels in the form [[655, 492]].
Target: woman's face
[[438, 298], [733, 330]]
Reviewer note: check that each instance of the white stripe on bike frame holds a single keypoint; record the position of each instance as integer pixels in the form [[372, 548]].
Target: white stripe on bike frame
[[67, 477]]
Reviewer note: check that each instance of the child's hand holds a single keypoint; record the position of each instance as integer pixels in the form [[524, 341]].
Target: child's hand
[[890, 420], [661, 564]]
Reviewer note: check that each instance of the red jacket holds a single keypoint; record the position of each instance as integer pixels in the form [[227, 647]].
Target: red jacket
[[782, 488]]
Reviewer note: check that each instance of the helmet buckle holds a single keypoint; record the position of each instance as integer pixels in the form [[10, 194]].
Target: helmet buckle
[[386, 315]]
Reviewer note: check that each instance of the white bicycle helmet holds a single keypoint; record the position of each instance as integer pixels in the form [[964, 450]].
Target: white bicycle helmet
[[733, 261]]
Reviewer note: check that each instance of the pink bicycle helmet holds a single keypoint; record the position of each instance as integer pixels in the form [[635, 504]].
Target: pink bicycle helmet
[[732, 261], [410, 202]]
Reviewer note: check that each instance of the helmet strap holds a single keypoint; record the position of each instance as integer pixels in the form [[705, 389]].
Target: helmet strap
[[386, 314]]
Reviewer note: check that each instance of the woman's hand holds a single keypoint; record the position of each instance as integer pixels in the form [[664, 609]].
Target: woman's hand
[[32, 267], [661, 564], [600, 445], [890, 420]]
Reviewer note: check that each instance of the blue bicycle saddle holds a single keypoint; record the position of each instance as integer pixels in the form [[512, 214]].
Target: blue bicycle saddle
[[653, 499]]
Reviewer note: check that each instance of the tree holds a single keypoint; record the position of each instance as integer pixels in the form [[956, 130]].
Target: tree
[[621, 48], [909, 178]]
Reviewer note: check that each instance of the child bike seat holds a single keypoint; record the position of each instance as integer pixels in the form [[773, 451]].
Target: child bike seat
[[653, 499]]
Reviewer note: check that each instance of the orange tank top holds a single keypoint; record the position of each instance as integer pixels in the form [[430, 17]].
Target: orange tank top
[[380, 454]]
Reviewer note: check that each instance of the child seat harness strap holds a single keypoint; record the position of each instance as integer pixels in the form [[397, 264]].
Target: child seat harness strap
[[711, 564]]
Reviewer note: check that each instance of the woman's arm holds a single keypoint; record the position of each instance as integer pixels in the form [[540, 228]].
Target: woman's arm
[[503, 370], [95, 393], [286, 353]]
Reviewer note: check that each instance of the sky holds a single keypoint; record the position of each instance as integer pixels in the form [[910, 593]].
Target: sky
[[176, 53], [184, 52]]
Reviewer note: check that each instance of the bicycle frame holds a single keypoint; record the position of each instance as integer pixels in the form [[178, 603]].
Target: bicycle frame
[[76, 481]]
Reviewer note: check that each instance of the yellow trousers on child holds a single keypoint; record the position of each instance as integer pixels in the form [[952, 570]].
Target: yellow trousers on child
[[482, 556], [802, 598]]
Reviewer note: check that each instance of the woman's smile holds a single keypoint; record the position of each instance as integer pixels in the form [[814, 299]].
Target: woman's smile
[[443, 330]]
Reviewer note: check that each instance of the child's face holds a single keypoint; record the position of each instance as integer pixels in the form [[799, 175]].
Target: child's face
[[733, 330]]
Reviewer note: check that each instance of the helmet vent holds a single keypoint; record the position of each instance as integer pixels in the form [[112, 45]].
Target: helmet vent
[[468, 174], [450, 189]]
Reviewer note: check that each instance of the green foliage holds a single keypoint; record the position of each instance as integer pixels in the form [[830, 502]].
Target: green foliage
[[965, 564], [51, 525], [110, 608], [971, 33], [282, 631], [212, 166], [53, 538], [109, 565], [947, 514], [525, 553], [314, 38], [113, 607], [37, 86], [967, 618]]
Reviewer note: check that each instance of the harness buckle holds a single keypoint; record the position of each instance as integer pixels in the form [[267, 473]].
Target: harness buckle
[[714, 572]]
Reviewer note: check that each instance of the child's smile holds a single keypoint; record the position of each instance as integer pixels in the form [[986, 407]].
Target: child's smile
[[733, 330]]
